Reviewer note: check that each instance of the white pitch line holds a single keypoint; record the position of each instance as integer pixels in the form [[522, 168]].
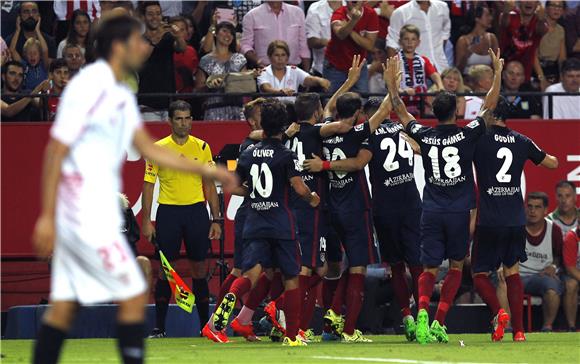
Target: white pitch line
[[391, 360]]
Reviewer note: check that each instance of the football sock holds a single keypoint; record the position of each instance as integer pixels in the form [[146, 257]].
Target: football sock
[[225, 287], [426, 284], [276, 286], [309, 302], [281, 300], [448, 291], [400, 287], [415, 274], [328, 289], [258, 293], [200, 289], [339, 293], [515, 293], [487, 292], [292, 312], [48, 345], [130, 342], [162, 297], [354, 300], [240, 287]]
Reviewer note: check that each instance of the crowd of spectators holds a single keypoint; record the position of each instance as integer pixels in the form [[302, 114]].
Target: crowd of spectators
[[300, 45]]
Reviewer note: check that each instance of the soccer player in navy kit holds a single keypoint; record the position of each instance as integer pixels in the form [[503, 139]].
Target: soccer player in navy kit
[[268, 171], [396, 205], [499, 159], [449, 194]]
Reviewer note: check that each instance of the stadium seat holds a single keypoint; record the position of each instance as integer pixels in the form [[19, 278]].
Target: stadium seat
[[530, 301]]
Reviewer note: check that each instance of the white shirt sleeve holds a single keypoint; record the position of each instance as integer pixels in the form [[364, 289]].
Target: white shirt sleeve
[[266, 77], [395, 25], [446, 27], [300, 76], [132, 114], [312, 25]]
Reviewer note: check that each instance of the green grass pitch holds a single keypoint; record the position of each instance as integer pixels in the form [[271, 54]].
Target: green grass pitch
[[553, 348]]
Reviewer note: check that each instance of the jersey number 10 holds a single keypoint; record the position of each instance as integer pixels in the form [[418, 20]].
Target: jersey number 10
[[261, 185]]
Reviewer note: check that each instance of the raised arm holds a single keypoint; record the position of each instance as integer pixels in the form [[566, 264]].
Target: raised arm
[[382, 113], [342, 29], [550, 162], [352, 79], [391, 76], [493, 94], [43, 45]]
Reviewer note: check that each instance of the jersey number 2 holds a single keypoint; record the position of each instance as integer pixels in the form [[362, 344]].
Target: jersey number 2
[[502, 176], [262, 186]]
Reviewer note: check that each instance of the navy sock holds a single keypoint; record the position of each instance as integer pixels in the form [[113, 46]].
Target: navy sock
[[162, 297], [200, 289], [130, 342], [48, 345]]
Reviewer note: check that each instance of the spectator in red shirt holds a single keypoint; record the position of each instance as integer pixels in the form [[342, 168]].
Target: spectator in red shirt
[[416, 68], [521, 31], [58, 75], [571, 259], [185, 63], [354, 30]]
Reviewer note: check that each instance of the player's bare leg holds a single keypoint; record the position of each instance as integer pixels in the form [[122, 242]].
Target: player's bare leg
[[56, 322], [488, 293], [200, 288], [354, 301], [145, 265], [130, 329], [571, 302], [515, 294]]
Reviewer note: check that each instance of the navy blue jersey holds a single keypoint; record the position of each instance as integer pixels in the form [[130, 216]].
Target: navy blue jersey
[[500, 156], [267, 169], [305, 143], [348, 191], [447, 153], [391, 170], [247, 143]]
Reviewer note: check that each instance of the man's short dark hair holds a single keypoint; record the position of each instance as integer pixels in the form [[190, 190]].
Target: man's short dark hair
[[348, 104], [571, 64], [538, 195], [26, 2], [57, 64], [143, 5], [178, 105], [306, 105], [252, 106], [291, 113], [566, 183], [372, 105], [11, 63], [274, 117], [444, 106], [116, 28]]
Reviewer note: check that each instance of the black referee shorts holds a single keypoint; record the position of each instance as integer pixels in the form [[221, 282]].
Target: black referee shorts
[[188, 223]]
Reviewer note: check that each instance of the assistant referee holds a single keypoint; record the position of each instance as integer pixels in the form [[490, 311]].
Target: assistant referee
[[182, 214]]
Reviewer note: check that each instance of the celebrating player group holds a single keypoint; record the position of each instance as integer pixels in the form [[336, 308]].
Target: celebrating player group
[[305, 221]]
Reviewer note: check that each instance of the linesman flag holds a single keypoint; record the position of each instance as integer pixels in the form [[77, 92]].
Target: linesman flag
[[183, 295]]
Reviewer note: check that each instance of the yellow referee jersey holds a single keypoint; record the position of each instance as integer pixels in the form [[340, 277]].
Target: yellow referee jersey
[[179, 188]]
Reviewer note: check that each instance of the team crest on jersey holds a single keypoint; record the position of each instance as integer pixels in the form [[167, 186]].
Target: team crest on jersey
[[474, 124], [359, 127]]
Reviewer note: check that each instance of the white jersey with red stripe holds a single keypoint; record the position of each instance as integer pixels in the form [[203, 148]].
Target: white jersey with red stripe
[[96, 119]]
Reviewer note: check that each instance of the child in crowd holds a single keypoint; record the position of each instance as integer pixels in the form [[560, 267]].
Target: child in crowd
[[35, 61], [375, 69]]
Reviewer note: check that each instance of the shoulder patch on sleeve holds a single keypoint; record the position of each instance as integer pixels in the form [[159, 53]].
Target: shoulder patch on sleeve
[[359, 127], [416, 127], [472, 125]]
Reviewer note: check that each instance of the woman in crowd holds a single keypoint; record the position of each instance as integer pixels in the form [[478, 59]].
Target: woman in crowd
[[280, 78], [212, 70], [452, 82], [471, 48], [78, 32], [552, 49]]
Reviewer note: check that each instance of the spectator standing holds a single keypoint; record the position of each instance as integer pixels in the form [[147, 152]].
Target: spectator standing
[[416, 67], [221, 61], [522, 106], [318, 31], [35, 62], [78, 32], [481, 79], [9, 13], [472, 48], [74, 57], [572, 32], [432, 19], [571, 259], [539, 273], [185, 62], [157, 74], [551, 52], [29, 19], [565, 107], [567, 213], [521, 30], [452, 82], [275, 20], [281, 78], [375, 69], [58, 77], [354, 31], [18, 108]]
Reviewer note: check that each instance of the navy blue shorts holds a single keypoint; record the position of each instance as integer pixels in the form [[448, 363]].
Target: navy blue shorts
[[188, 223], [312, 227], [334, 252], [496, 245], [444, 235], [355, 231], [284, 254], [399, 238], [239, 221]]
